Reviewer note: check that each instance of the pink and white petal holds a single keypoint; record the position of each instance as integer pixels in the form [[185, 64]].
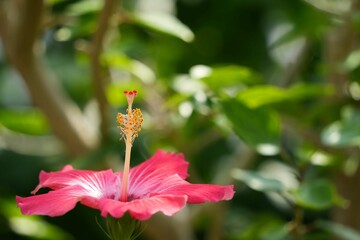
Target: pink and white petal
[[67, 167], [53, 203], [147, 176], [197, 193], [95, 183], [143, 209], [161, 186], [59, 179], [44, 176], [90, 201]]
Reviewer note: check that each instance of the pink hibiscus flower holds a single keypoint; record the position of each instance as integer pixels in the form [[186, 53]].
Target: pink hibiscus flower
[[156, 185]]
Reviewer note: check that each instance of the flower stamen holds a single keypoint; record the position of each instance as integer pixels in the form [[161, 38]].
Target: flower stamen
[[130, 126]]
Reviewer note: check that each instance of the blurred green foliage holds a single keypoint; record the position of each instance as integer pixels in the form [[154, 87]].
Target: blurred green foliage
[[241, 87]]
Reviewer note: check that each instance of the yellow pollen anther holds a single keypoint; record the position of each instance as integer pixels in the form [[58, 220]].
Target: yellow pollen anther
[[130, 123]]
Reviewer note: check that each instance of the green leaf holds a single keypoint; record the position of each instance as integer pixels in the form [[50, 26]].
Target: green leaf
[[318, 194], [84, 7], [53, 2], [264, 95], [332, 6], [27, 121], [345, 132], [164, 23], [256, 181], [265, 227], [120, 61], [339, 230], [305, 91], [352, 61], [229, 76], [259, 128], [30, 227]]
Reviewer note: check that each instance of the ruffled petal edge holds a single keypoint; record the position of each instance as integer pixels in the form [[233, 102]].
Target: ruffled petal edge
[[143, 209]]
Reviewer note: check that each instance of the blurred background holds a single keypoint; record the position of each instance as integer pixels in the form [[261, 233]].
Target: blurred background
[[260, 94]]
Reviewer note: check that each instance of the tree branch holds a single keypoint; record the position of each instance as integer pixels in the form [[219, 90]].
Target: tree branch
[[19, 29], [341, 42], [97, 72]]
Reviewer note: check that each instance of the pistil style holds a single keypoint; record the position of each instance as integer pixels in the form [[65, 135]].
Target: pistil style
[[130, 126]]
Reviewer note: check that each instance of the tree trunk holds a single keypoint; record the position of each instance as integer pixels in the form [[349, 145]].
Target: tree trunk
[[341, 41]]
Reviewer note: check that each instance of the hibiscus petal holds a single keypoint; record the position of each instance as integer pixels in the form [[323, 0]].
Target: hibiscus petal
[[93, 183], [197, 193], [200, 193], [149, 174], [90, 202], [44, 182], [142, 209], [53, 203]]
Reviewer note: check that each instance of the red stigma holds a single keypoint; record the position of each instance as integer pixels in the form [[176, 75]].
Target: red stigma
[[130, 93]]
